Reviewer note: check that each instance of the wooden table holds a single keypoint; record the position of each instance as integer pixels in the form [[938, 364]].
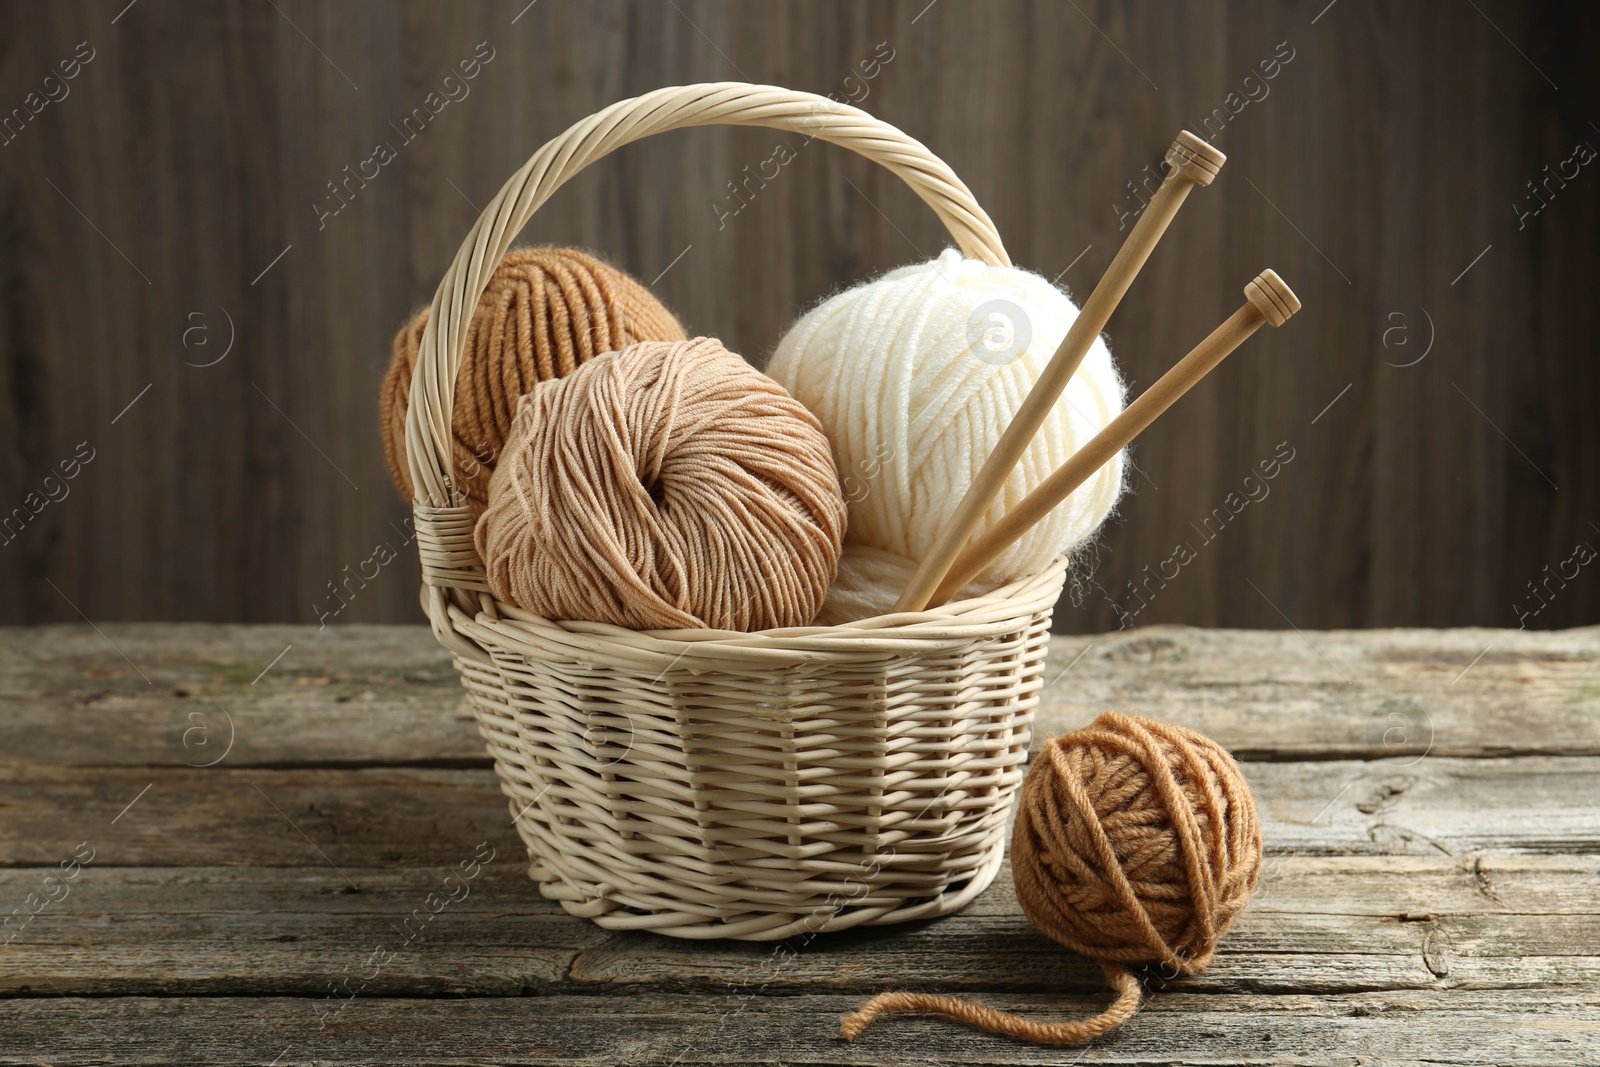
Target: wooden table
[[256, 811]]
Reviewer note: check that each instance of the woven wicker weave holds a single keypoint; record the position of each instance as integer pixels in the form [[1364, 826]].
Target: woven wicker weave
[[704, 783]]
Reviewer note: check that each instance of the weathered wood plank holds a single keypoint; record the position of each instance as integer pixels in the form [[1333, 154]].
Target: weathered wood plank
[[1330, 925], [1545, 1028], [379, 694], [410, 816], [1448, 806], [162, 816], [279, 694], [1376, 694]]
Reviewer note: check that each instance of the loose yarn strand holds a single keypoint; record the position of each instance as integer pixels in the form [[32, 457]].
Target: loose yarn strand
[[1003, 1022]]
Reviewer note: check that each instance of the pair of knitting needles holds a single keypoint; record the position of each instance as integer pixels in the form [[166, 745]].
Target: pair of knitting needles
[[956, 558]]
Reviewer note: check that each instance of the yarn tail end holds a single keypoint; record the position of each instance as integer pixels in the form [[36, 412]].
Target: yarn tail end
[[851, 1023], [1121, 1010]]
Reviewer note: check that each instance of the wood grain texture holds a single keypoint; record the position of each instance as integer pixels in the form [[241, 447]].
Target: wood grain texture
[[406, 815], [1428, 798], [1371, 170], [1329, 925], [357, 696], [1546, 1029]]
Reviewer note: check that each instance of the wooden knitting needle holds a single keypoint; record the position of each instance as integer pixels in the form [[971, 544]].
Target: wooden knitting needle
[[1192, 162], [1267, 299]]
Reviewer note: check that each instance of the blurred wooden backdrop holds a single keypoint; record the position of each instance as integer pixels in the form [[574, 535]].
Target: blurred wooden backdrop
[[184, 331]]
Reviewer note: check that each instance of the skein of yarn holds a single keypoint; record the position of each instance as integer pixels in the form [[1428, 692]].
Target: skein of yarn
[[545, 312], [1136, 842], [915, 376], [666, 485]]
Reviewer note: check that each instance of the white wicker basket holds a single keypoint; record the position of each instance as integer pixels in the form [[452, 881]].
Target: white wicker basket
[[704, 783]]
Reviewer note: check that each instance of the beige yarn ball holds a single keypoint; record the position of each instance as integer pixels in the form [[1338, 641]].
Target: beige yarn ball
[[666, 485]]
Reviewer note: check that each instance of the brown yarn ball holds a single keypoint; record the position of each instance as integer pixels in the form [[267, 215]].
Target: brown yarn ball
[[668, 485], [545, 312], [1136, 842]]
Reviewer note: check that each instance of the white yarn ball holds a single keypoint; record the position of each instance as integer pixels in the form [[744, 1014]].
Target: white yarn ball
[[915, 376]]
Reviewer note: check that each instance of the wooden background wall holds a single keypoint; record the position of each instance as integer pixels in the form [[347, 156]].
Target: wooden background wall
[[164, 207]]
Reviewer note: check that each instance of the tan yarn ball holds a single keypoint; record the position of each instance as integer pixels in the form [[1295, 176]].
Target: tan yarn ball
[[1136, 842], [545, 312], [668, 485]]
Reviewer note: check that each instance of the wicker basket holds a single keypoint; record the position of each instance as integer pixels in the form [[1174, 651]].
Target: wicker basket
[[704, 783]]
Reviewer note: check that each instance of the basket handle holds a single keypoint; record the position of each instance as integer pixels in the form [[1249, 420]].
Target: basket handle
[[444, 530]]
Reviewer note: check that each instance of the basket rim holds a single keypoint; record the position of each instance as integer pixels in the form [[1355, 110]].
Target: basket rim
[[950, 625]]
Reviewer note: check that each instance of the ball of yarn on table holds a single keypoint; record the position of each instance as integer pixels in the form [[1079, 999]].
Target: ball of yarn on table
[[667, 485], [1136, 842], [545, 312], [915, 376]]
